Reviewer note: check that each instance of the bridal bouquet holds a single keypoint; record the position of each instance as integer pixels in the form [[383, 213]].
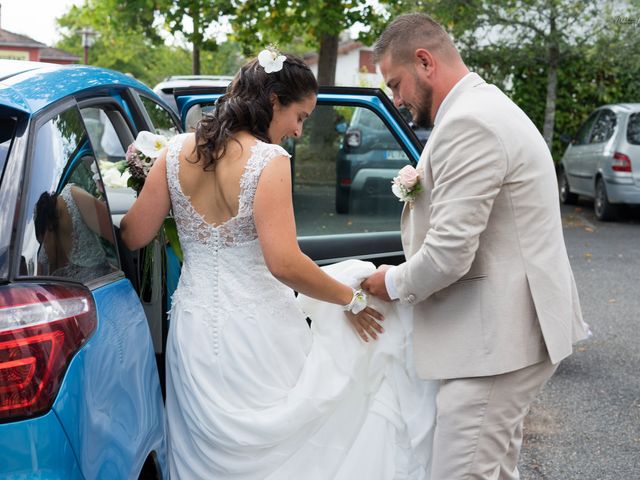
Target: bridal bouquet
[[406, 185]]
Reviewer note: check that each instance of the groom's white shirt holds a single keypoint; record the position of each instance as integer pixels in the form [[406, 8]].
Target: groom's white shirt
[[388, 277], [486, 270]]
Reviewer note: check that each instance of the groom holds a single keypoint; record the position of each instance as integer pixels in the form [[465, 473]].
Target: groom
[[487, 272]]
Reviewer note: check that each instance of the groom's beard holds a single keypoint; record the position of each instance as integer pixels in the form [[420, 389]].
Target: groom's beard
[[423, 107]]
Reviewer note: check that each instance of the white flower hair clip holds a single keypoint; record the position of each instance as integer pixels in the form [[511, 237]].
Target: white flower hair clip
[[270, 60]]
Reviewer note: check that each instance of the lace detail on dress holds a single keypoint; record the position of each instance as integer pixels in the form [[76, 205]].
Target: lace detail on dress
[[239, 229]]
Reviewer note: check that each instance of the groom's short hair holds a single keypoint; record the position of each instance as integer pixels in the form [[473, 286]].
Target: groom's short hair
[[412, 31]]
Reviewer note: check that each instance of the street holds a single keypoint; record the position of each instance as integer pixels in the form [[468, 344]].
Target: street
[[586, 422]]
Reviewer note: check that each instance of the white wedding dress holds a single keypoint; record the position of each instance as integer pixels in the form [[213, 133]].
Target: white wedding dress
[[254, 393]]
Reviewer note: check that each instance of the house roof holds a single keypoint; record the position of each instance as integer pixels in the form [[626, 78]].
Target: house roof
[[343, 48], [51, 53], [11, 39]]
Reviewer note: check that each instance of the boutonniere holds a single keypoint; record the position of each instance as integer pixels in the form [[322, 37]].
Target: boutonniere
[[406, 186]]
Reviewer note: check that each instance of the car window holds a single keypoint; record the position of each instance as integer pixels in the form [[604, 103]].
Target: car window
[[7, 134], [604, 127], [68, 232], [342, 181], [104, 138], [633, 129], [160, 117], [582, 137]]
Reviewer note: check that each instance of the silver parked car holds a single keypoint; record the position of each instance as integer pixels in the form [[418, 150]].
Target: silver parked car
[[603, 160]]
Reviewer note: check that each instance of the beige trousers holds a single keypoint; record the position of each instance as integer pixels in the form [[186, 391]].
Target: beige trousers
[[479, 423]]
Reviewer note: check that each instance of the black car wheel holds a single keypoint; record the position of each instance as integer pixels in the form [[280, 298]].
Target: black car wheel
[[566, 197], [603, 209], [342, 201]]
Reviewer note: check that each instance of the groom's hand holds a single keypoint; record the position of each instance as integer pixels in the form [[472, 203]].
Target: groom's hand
[[375, 284]]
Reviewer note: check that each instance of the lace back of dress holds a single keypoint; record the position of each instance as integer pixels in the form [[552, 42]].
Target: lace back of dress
[[239, 229]]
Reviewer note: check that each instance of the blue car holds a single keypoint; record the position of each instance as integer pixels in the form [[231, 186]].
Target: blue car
[[80, 389], [82, 329]]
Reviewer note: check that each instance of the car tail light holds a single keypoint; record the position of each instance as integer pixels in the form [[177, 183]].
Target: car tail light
[[621, 163], [352, 138], [41, 327], [345, 182]]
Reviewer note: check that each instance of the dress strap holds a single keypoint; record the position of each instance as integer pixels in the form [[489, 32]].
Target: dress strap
[[261, 154]]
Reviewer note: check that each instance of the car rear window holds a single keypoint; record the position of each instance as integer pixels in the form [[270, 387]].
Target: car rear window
[[633, 129], [7, 133]]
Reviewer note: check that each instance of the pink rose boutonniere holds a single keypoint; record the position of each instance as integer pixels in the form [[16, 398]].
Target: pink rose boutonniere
[[406, 185]]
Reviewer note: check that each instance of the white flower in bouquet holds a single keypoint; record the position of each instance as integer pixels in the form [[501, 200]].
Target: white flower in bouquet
[[112, 178], [141, 155]]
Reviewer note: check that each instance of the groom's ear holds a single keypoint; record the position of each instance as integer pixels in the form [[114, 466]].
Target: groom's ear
[[424, 60]]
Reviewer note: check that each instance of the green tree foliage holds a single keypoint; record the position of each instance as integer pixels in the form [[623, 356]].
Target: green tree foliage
[[312, 24], [558, 59], [137, 48]]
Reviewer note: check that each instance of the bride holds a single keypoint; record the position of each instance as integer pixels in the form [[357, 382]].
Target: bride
[[252, 391]]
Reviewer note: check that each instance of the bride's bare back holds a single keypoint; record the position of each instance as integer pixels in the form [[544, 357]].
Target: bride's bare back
[[214, 194]]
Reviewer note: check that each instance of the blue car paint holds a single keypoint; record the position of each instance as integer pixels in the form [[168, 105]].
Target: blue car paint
[[112, 425], [371, 101], [37, 448], [43, 87]]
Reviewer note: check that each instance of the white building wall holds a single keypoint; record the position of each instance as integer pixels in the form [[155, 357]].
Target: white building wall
[[348, 74]]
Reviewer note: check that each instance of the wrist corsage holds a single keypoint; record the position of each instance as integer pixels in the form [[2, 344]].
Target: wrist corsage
[[358, 302], [406, 185]]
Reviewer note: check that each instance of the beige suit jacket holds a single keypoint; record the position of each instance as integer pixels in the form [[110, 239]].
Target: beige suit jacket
[[487, 269]]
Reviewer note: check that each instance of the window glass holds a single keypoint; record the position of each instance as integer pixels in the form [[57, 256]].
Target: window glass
[[68, 231], [342, 181], [604, 127], [103, 126], [160, 117], [633, 129], [582, 137], [104, 138], [7, 134]]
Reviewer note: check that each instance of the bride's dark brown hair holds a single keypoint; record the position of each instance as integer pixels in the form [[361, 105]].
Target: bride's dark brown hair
[[247, 105]]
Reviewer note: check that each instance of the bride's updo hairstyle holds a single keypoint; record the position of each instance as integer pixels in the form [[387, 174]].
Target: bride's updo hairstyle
[[247, 105]]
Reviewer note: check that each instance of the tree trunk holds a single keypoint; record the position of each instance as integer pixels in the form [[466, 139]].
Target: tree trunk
[[327, 59], [322, 126], [552, 82], [197, 42], [550, 107]]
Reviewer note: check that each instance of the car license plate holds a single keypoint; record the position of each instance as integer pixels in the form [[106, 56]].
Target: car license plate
[[395, 155]]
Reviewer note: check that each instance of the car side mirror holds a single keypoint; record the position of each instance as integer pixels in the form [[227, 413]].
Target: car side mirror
[[567, 139], [341, 127]]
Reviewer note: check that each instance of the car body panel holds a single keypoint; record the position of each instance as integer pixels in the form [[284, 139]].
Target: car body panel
[[112, 426], [37, 448]]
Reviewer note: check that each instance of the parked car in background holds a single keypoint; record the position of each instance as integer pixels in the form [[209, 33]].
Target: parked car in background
[[80, 342], [602, 161], [368, 159], [165, 88]]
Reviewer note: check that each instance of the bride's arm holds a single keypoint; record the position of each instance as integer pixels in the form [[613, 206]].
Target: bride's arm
[[145, 217], [275, 223]]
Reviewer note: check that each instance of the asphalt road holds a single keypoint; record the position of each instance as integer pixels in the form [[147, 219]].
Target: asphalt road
[[585, 425]]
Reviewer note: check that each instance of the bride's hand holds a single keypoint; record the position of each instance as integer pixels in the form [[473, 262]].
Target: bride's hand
[[366, 323]]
